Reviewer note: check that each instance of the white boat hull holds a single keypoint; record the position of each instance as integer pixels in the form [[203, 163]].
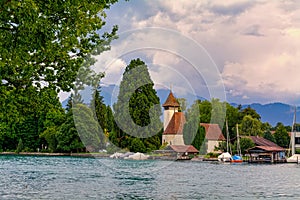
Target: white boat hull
[[294, 159], [224, 157]]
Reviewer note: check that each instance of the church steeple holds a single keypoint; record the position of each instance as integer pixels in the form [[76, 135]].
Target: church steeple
[[171, 101], [173, 122], [171, 106]]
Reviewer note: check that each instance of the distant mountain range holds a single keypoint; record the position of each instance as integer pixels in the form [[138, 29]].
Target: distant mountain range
[[272, 112]]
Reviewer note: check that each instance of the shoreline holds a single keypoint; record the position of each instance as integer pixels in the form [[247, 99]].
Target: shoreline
[[81, 155], [97, 155]]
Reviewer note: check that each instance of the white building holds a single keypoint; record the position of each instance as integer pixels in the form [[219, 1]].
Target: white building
[[213, 136], [295, 141]]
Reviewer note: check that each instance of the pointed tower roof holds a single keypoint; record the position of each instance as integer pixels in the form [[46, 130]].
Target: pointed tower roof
[[171, 101]]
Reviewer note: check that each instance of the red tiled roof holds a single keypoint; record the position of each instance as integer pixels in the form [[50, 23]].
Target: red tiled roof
[[267, 148], [264, 144], [260, 141], [171, 101], [212, 132], [182, 148], [176, 124]]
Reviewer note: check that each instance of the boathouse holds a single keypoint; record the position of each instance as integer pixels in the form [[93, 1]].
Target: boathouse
[[180, 152], [265, 151]]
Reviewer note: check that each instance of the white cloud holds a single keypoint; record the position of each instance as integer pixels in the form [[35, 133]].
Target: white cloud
[[165, 58], [255, 44], [274, 78]]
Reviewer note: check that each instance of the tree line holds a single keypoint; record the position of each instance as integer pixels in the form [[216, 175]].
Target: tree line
[[246, 120], [53, 129]]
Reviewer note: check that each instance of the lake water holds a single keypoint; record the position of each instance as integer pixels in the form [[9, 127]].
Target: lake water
[[87, 178]]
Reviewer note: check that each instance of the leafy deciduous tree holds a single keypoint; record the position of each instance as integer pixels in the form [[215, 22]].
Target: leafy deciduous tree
[[281, 136]]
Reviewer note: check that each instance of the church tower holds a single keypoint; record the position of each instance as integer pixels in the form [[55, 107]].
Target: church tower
[[173, 122], [170, 107]]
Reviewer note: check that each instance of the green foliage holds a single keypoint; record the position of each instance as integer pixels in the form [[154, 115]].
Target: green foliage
[[137, 110], [281, 136], [88, 128], [110, 119], [245, 143], [251, 126], [193, 133], [99, 108], [218, 112], [20, 146], [52, 122], [48, 40], [183, 104], [137, 145], [223, 147], [269, 136], [250, 112], [296, 127], [211, 155], [232, 115], [43, 45], [205, 108]]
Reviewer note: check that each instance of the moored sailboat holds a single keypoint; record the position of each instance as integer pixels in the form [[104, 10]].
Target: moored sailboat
[[294, 158], [238, 157], [226, 156]]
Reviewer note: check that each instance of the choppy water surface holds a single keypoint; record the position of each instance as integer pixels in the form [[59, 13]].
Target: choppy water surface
[[87, 178]]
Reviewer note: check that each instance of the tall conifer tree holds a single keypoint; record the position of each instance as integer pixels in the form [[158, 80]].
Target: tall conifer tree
[[137, 111]]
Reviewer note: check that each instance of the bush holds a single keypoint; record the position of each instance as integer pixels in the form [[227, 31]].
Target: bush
[[137, 146], [212, 155]]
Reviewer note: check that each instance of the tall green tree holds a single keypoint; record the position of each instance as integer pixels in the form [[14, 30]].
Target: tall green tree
[[218, 112], [245, 143], [269, 136], [232, 116], [205, 108], [251, 126], [99, 108], [88, 128], [193, 133], [281, 136], [54, 119], [249, 111], [68, 139], [137, 110]]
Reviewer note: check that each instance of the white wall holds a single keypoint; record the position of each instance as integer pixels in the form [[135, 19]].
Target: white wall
[[211, 145], [173, 139]]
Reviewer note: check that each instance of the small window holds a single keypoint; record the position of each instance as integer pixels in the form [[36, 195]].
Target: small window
[[297, 140]]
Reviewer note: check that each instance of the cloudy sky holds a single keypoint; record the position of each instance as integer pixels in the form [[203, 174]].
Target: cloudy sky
[[243, 51]]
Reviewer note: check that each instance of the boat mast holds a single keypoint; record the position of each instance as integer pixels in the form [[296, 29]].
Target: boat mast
[[292, 143], [227, 136], [238, 141]]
